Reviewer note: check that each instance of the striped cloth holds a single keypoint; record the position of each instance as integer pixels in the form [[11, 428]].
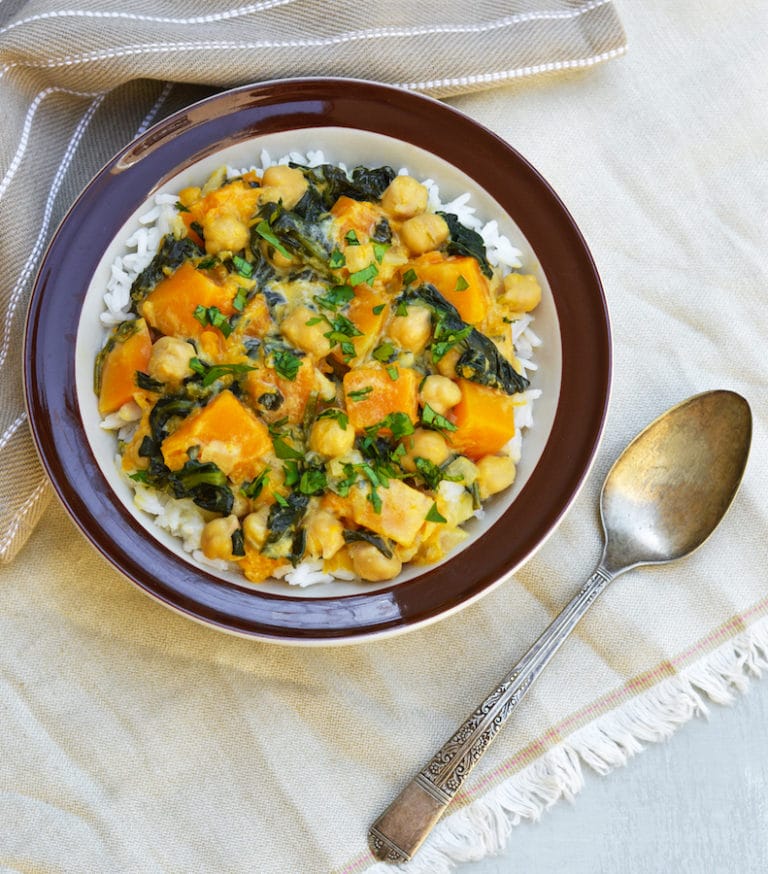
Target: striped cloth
[[77, 84]]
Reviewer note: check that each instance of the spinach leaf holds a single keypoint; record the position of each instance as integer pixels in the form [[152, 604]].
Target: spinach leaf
[[363, 183], [363, 535], [479, 361], [283, 524], [465, 241], [205, 483]]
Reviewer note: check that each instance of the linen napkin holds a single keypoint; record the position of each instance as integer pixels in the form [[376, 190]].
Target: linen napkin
[[77, 84]]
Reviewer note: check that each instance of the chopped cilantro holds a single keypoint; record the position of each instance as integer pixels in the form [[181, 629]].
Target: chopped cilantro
[[243, 267], [398, 423], [351, 238], [211, 374], [379, 251], [337, 259], [360, 394], [265, 232], [240, 299], [313, 481], [180, 207], [367, 275], [335, 297], [409, 276], [280, 499], [214, 317], [286, 363], [434, 515], [434, 420], [339, 415], [461, 284], [284, 451], [253, 488], [393, 372], [384, 352], [378, 309]]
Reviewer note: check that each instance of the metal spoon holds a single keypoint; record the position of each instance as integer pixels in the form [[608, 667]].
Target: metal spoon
[[662, 498]]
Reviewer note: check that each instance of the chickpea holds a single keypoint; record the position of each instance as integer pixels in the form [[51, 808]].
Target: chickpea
[[358, 257], [224, 232], [522, 292], [328, 438], [440, 393], [241, 506], [255, 527], [216, 539], [424, 232], [169, 360], [325, 534], [310, 338], [288, 182], [424, 444], [325, 388], [370, 564], [404, 198], [494, 474], [447, 364], [412, 332]]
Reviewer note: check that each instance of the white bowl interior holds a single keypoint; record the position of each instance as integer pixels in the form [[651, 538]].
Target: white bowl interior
[[350, 147]]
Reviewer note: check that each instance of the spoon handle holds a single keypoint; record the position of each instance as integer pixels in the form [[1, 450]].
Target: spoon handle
[[401, 829]]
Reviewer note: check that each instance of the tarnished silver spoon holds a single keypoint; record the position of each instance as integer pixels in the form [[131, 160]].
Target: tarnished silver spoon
[[662, 498]]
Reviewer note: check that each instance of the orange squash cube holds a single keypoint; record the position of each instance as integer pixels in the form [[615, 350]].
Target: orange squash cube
[[118, 372], [460, 281], [170, 306], [371, 394], [484, 419], [228, 434]]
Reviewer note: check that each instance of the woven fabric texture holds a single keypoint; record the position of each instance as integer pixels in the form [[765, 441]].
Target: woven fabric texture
[[77, 84]]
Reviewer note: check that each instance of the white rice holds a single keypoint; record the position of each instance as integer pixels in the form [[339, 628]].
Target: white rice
[[181, 517]]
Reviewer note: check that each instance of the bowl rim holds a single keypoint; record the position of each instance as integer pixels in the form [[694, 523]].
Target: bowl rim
[[245, 112]]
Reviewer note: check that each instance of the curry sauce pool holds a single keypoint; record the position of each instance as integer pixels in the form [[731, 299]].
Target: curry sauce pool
[[316, 373]]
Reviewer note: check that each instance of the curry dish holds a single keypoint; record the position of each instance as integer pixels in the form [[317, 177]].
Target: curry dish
[[324, 365]]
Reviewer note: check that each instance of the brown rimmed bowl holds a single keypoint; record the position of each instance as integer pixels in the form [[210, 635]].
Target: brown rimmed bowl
[[352, 122]]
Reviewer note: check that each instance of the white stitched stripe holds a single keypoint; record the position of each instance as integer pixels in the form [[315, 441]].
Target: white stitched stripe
[[29, 118], [504, 75], [23, 510], [374, 33], [12, 429], [156, 19], [155, 108], [58, 178]]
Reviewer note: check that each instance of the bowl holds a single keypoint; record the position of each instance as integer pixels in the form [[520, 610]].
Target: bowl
[[351, 122]]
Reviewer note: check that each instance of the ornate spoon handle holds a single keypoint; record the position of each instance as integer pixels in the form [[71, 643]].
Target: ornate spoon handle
[[401, 829]]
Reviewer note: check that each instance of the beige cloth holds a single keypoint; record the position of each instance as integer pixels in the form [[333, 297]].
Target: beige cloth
[[136, 741], [77, 84]]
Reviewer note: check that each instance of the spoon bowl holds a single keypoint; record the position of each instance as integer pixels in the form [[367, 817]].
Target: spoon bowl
[[671, 486], [662, 499]]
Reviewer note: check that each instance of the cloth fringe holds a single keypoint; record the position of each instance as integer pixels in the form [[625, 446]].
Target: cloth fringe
[[482, 828]]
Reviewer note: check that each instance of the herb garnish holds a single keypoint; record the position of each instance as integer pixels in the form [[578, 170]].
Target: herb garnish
[[213, 372]]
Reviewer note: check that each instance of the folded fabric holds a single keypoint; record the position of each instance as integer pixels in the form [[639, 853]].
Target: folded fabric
[[77, 84]]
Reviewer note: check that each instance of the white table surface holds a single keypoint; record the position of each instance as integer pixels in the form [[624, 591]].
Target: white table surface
[[697, 803]]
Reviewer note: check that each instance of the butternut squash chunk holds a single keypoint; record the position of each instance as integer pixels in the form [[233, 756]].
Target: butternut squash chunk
[[294, 392], [170, 306], [371, 394], [228, 434], [355, 215], [403, 510], [484, 419], [460, 281], [118, 372]]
